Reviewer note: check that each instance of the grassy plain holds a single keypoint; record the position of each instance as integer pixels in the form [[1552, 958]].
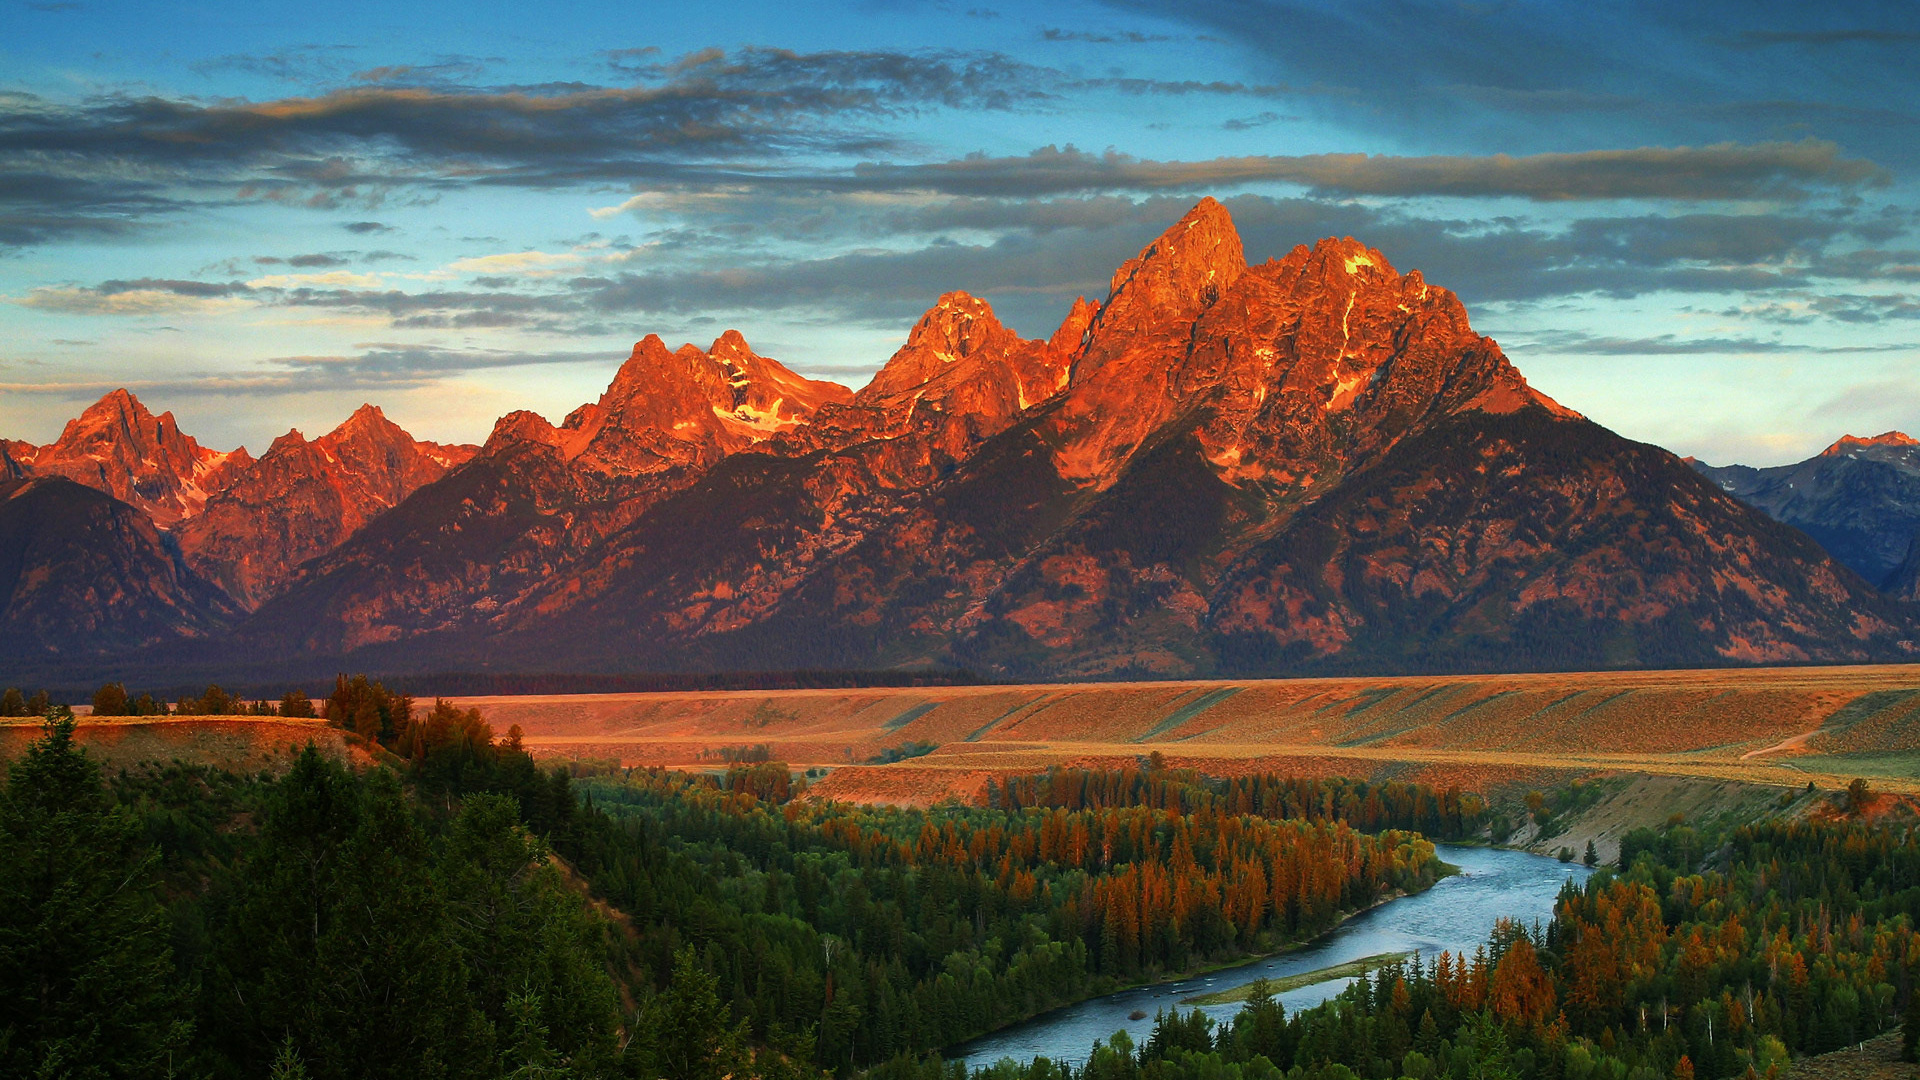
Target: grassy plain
[[242, 744], [1778, 727], [1691, 740]]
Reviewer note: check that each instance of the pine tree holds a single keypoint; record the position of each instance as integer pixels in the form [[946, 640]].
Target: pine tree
[[692, 1039], [339, 936], [110, 700], [87, 980]]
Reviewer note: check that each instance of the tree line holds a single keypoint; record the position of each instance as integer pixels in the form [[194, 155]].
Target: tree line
[[1790, 938], [1448, 814], [888, 931]]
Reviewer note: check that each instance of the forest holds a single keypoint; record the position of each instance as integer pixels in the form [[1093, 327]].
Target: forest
[[1708, 955], [456, 911]]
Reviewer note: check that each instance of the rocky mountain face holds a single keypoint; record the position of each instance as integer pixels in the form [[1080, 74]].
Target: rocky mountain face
[[1904, 582], [1859, 498], [118, 447], [1308, 464], [193, 536], [85, 574], [464, 553], [302, 499], [1311, 463]]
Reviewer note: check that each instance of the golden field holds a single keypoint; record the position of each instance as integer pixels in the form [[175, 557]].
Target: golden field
[[1774, 726], [238, 743]]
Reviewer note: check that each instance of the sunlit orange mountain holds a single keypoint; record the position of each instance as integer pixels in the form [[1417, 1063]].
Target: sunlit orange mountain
[[1313, 463]]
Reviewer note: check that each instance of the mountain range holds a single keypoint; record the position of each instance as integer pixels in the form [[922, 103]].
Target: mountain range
[[1860, 498], [1311, 463]]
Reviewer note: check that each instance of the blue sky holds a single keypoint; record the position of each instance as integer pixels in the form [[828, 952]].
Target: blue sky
[[1696, 226]]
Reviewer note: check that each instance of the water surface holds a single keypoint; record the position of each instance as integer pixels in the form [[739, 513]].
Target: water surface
[[1455, 915]]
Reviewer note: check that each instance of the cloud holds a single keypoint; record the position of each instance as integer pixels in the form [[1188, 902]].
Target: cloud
[[1551, 77], [1579, 344], [878, 260], [1248, 123], [39, 204], [316, 259], [114, 162], [334, 278], [362, 228], [298, 64], [377, 366], [1772, 171], [1115, 37], [518, 262], [144, 296], [1761, 38]]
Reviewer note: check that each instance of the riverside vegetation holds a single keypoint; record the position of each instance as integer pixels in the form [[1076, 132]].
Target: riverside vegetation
[[455, 911]]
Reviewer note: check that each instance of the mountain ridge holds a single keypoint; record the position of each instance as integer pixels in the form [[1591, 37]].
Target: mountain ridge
[[1310, 463], [1859, 499]]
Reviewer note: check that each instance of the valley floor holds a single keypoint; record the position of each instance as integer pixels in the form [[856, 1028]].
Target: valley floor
[[1690, 740], [1778, 727]]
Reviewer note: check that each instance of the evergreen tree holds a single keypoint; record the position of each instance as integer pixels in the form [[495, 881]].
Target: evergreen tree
[[339, 938], [110, 700], [12, 703], [87, 981], [692, 1038]]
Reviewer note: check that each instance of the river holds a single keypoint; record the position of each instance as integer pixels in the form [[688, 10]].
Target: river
[[1457, 914]]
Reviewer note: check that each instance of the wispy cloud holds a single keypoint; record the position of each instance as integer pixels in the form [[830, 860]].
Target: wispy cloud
[[1772, 171], [376, 366]]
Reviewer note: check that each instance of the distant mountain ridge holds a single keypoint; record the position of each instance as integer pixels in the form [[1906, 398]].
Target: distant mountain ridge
[[1307, 464], [1859, 498]]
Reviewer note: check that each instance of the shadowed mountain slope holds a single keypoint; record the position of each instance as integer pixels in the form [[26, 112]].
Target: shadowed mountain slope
[[84, 574], [1859, 498]]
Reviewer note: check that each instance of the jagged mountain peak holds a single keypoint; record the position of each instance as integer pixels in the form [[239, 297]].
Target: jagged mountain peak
[[958, 327], [688, 406], [524, 426], [1895, 440], [118, 446], [1072, 333], [304, 497], [1174, 278], [368, 417]]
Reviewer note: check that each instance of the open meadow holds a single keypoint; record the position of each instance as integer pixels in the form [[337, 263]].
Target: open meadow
[[1772, 726]]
